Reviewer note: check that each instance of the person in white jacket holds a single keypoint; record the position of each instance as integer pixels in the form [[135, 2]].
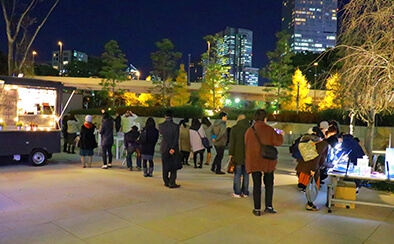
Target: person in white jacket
[[128, 120], [196, 133]]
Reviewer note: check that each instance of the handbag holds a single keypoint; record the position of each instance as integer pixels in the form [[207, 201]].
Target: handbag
[[230, 166], [311, 190], [204, 140], [308, 150], [266, 151]]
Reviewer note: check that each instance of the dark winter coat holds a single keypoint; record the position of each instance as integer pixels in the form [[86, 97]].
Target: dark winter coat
[[130, 139], [148, 147], [107, 132], [170, 138], [87, 138], [237, 141]]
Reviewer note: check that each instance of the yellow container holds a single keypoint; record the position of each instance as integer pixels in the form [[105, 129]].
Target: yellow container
[[345, 190]]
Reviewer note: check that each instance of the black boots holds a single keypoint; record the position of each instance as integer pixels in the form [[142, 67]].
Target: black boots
[[148, 172]]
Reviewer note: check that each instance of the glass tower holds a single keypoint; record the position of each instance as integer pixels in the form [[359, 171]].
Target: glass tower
[[312, 24], [238, 51]]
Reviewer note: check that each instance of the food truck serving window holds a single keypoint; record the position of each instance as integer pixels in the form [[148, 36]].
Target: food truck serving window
[[36, 101], [28, 106]]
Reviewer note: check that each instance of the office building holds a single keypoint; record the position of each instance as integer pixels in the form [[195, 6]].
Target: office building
[[238, 51], [67, 56], [312, 24]]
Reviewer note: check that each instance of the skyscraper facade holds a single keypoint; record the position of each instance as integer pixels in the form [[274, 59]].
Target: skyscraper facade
[[312, 24], [238, 51]]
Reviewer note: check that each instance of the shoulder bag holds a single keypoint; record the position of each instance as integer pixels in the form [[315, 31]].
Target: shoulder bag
[[267, 151], [204, 140]]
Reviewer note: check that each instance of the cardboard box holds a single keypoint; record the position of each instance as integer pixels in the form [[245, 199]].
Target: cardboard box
[[345, 190]]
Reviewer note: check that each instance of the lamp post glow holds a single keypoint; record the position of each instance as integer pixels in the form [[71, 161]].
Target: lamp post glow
[[60, 58], [34, 53], [314, 92]]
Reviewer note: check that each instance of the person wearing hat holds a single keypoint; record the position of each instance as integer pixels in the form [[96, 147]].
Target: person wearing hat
[[87, 141]]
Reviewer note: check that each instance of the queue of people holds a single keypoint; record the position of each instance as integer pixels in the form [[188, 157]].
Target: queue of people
[[245, 140]]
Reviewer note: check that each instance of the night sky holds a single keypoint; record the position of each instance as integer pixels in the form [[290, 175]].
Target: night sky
[[136, 25]]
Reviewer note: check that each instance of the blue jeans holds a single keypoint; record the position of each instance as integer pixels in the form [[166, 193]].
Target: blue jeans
[[130, 152], [240, 171]]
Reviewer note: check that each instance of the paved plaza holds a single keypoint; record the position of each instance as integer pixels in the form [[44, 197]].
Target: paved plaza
[[62, 202]]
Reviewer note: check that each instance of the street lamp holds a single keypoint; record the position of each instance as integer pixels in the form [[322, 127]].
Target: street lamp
[[315, 85], [60, 58], [34, 53], [298, 96]]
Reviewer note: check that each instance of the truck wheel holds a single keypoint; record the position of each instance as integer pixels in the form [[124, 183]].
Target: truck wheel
[[38, 157]]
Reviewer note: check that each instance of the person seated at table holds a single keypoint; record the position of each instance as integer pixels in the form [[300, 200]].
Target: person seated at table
[[131, 145]]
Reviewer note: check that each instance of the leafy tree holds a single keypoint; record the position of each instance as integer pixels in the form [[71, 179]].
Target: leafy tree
[[217, 77], [299, 99], [279, 68], [113, 71], [181, 93], [132, 99], [45, 70], [165, 60], [164, 70], [22, 24], [77, 68], [366, 41], [331, 100]]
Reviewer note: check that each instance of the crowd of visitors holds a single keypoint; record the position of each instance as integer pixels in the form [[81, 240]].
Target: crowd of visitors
[[247, 142]]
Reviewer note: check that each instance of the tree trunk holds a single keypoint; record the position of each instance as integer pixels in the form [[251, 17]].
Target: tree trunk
[[370, 134], [10, 58]]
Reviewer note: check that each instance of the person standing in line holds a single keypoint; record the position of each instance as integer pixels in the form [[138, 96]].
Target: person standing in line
[[132, 146], [118, 123], [128, 120], [107, 139], [169, 149], [237, 153], [219, 141], [256, 164], [208, 127], [184, 141], [64, 131], [196, 133], [72, 130], [148, 143], [87, 141]]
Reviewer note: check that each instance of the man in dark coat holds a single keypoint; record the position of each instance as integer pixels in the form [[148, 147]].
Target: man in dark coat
[[107, 139], [169, 150], [237, 153]]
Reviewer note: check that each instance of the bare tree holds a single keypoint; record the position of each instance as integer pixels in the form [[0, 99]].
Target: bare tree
[[366, 43], [22, 28]]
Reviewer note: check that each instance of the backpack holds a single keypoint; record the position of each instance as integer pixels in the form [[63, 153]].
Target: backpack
[[294, 151]]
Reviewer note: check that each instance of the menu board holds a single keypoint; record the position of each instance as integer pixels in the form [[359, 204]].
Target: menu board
[[8, 105]]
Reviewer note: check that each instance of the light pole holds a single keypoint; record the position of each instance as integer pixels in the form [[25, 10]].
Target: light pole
[[188, 72], [34, 53], [60, 58], [315, 85], [298, 96]]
